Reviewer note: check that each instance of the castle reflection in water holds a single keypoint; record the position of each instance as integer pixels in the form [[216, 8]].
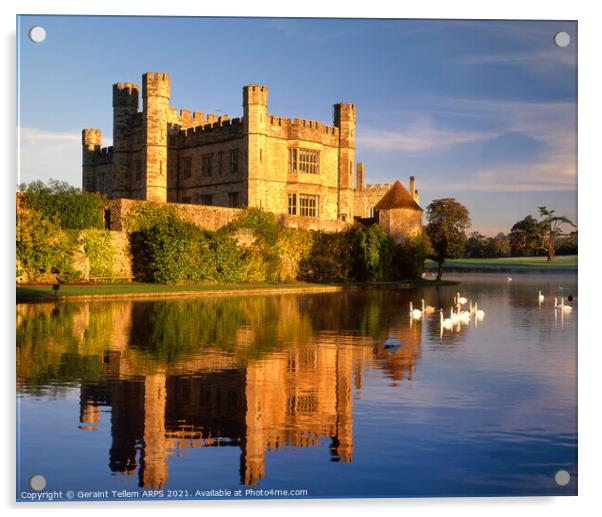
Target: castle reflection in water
[[251, 373]]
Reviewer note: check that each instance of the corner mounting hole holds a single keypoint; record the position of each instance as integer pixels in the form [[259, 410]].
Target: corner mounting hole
[[37, 34], [562, 39], [37, 482], [562, 477]]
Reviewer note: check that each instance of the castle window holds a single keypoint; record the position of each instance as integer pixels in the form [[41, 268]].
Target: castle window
[[101, 183], [292, 204], [207, 165], [308, 205], [172, 140], [138, 170], [371, 212], [220, 163], [234, 161], [207, 199], [305, 161], [187, 167], [233, 199]]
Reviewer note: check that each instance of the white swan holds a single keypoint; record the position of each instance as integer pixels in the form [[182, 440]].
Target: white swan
[[460, 299], [453, 316], [415, 313], [565, 308], [509, 279], [556, 304], [427, 309], [446, 323], [479, 313], [540, 297], [464, 316]]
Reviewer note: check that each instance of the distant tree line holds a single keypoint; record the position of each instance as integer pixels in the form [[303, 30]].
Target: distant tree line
[[547, 236]]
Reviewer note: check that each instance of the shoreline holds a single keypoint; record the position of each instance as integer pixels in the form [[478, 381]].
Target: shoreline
[[563, 264], [43, 293], [481, 268]]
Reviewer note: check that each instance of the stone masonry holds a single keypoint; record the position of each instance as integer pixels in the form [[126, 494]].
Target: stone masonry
[[299, 169]]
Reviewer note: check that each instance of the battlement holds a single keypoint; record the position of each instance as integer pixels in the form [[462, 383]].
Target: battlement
[[216, 130], [91, 137], [255, 94], [155, 84], [346, 106], [187, 118], [302, 128], [125, 95], [343, 112], [377, 187], [99, 156]]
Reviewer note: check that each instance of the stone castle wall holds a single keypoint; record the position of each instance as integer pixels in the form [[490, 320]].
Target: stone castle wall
[[161, 153]]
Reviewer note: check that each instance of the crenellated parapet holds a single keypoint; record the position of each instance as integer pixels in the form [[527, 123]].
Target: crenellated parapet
[[255, 94], [91, 138], [302, 129], [377, 187], [125, 95], [155, 84], [101, 156], [186, 118], [211, 132]]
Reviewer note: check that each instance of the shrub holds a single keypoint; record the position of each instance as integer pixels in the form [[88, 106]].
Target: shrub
[[67, 205], [42, 247], [264, 224], [171, 252]]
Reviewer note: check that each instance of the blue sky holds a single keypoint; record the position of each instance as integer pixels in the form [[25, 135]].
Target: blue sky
[[483, 111]]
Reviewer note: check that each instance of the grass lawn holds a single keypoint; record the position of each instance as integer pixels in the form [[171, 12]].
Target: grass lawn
[[143, 290], [564, 262]]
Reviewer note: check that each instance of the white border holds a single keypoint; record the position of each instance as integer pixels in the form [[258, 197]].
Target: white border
[[590, 171]]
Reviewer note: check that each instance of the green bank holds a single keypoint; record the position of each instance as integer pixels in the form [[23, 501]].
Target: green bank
[[148, 290], [560, 263]]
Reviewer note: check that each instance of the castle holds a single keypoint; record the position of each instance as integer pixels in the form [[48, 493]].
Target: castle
[[294, 167]]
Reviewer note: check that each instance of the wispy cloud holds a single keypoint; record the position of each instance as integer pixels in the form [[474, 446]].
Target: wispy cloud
[[50, 154], [541, 60], [551, 124], [419, 136]]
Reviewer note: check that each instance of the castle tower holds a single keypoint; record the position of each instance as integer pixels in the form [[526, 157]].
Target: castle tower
[[359, 181], [342, 446], [255, 110], [344, 119], [153, 459], [155, 98], [125, 104], [91, 141]]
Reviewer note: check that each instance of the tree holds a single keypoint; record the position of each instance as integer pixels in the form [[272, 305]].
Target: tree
[[42, 247], [524, 237], [551, 230], [498, 246], [446, 228], [68, 205], [475, 245]]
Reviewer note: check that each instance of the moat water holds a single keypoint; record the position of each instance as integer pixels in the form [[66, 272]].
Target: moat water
[[299, 392]]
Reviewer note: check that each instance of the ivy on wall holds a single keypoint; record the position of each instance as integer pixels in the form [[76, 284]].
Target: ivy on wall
[[100, 252]]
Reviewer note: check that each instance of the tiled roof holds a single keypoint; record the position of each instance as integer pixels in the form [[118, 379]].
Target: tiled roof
[[397, 197]]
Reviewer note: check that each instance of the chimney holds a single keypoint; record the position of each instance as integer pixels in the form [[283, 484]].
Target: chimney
[[360, 177], [413, 187]]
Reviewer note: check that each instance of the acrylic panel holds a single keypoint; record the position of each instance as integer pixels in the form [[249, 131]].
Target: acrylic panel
[[295, 258]]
